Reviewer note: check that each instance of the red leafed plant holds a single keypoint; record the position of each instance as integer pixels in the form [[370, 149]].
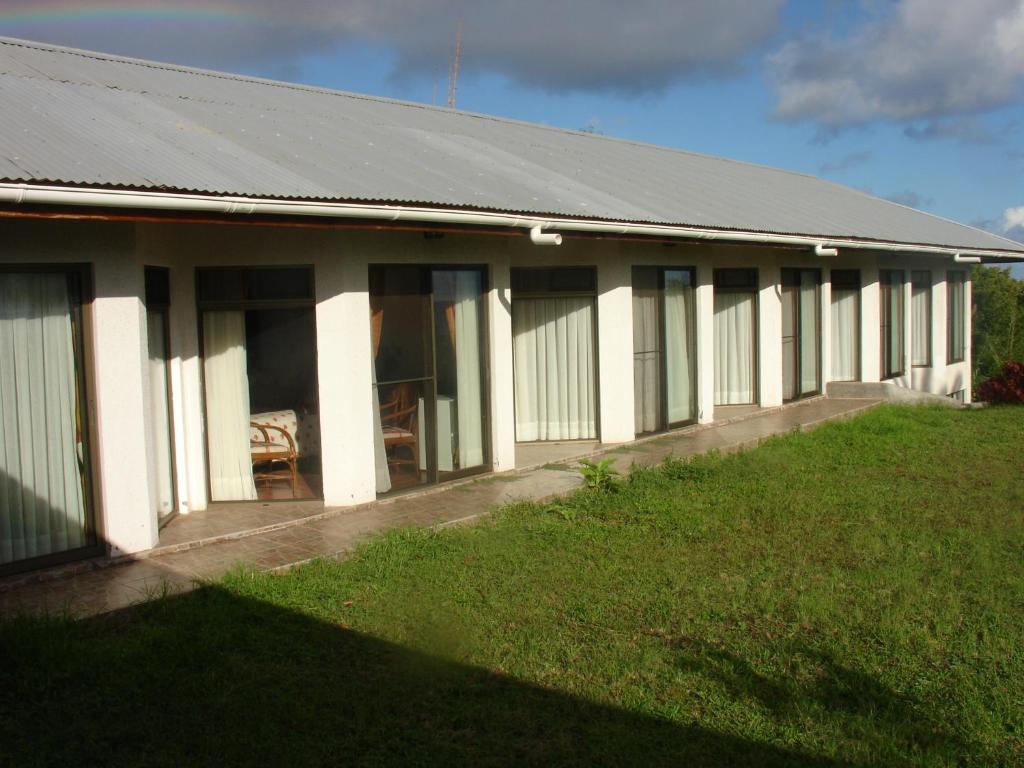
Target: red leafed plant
[[1007, 387]]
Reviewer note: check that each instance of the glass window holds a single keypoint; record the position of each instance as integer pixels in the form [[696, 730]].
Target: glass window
[[800, 332], [45, 481], [920, 318], [891, 322], [845, 324], [427, 336], [554, 280], [245, 284], [260, 376], [663, 347], [735, 335], [157, 307], [955, 319]]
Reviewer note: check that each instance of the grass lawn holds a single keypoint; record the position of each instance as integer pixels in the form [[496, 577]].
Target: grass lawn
[[851, 596]]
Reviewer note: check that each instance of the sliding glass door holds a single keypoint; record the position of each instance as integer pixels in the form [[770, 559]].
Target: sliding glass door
[[553, 328], [735, 336], [663, 348], [427, 332], [845, 324], [157, 308], [260, 379], [801, 332], [45, 483], [891, 322]]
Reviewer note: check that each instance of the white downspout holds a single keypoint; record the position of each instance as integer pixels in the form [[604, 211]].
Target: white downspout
[[538, 237]]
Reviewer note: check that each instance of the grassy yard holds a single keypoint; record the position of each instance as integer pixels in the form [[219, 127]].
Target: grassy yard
[[852, 596]]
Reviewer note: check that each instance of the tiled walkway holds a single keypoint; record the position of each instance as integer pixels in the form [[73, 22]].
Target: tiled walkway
[[317, 532]]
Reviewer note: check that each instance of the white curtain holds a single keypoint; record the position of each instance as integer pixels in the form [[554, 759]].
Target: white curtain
[[920, 323], [844, 334], [678, 304], [42, 504], [646, 358], [809, 364], [227, 406], [734, 348], [467, 368], [380, 458], [159, 413], [554, 368]]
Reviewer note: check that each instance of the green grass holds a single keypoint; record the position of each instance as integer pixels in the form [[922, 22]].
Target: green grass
[[852, 596]]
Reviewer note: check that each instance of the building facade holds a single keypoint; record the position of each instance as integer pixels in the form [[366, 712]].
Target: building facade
[[217, 290]]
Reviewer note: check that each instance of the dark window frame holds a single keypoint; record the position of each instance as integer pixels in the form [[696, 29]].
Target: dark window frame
[[662, 351], [720, 284], [83, 334], [956, 279], [914, 286], [885, 322], [426, 276], [158, 300], [246, 305], [796, 272], [849, 280]]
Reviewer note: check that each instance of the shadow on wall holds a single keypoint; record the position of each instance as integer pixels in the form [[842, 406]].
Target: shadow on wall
[[34, 531], [214, 678]]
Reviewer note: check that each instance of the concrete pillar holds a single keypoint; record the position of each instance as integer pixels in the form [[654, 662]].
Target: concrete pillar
[[705, 345], [123, 456], [939, 314], [615, 351], [346, 396], [503, 415], [769, 333], [870, 352]]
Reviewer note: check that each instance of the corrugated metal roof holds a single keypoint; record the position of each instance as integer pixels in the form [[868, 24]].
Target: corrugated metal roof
[[84, 118]]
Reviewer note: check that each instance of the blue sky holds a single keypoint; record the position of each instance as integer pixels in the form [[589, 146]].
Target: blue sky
[[919, 101]]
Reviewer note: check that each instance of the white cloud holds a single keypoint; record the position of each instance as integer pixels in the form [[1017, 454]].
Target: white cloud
[[569, 45], [918, 60], [1013, 218]]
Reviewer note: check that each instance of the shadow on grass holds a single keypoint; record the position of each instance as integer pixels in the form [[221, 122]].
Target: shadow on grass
[[213, 678], [883, 722]]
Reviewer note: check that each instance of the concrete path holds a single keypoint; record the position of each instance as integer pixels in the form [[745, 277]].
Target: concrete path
[[333, 532]]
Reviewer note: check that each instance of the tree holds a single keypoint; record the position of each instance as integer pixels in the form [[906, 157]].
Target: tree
[[997, 321]]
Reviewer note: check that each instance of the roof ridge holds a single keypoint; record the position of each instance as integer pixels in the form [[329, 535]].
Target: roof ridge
[[101, 56]]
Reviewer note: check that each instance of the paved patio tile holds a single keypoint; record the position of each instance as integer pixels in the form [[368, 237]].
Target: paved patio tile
[[313, 531]]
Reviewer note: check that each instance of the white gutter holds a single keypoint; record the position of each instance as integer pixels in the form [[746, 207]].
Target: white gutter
[[30, 194]]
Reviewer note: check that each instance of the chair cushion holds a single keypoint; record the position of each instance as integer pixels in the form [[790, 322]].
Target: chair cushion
[[257, 448]]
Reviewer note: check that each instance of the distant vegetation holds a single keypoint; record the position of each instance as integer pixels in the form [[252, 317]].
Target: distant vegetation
[[997, 334]]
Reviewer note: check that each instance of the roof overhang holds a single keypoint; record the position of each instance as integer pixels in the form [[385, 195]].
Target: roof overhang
[[532, 225]]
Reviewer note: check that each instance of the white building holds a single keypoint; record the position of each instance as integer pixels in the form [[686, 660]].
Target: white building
[[216, 289]]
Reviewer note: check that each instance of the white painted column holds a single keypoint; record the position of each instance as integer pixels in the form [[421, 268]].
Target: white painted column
[[870, 351], [120, 345], [705, 345], [499, 345], [939, 315], [826, 328], [615, 350], [769, 333], [345, 381]]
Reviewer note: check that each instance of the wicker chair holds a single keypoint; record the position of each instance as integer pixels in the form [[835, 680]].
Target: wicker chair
[[275, 454], [399, 420]]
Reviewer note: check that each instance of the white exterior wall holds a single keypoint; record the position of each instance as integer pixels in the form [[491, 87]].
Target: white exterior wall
[[123, 457]]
